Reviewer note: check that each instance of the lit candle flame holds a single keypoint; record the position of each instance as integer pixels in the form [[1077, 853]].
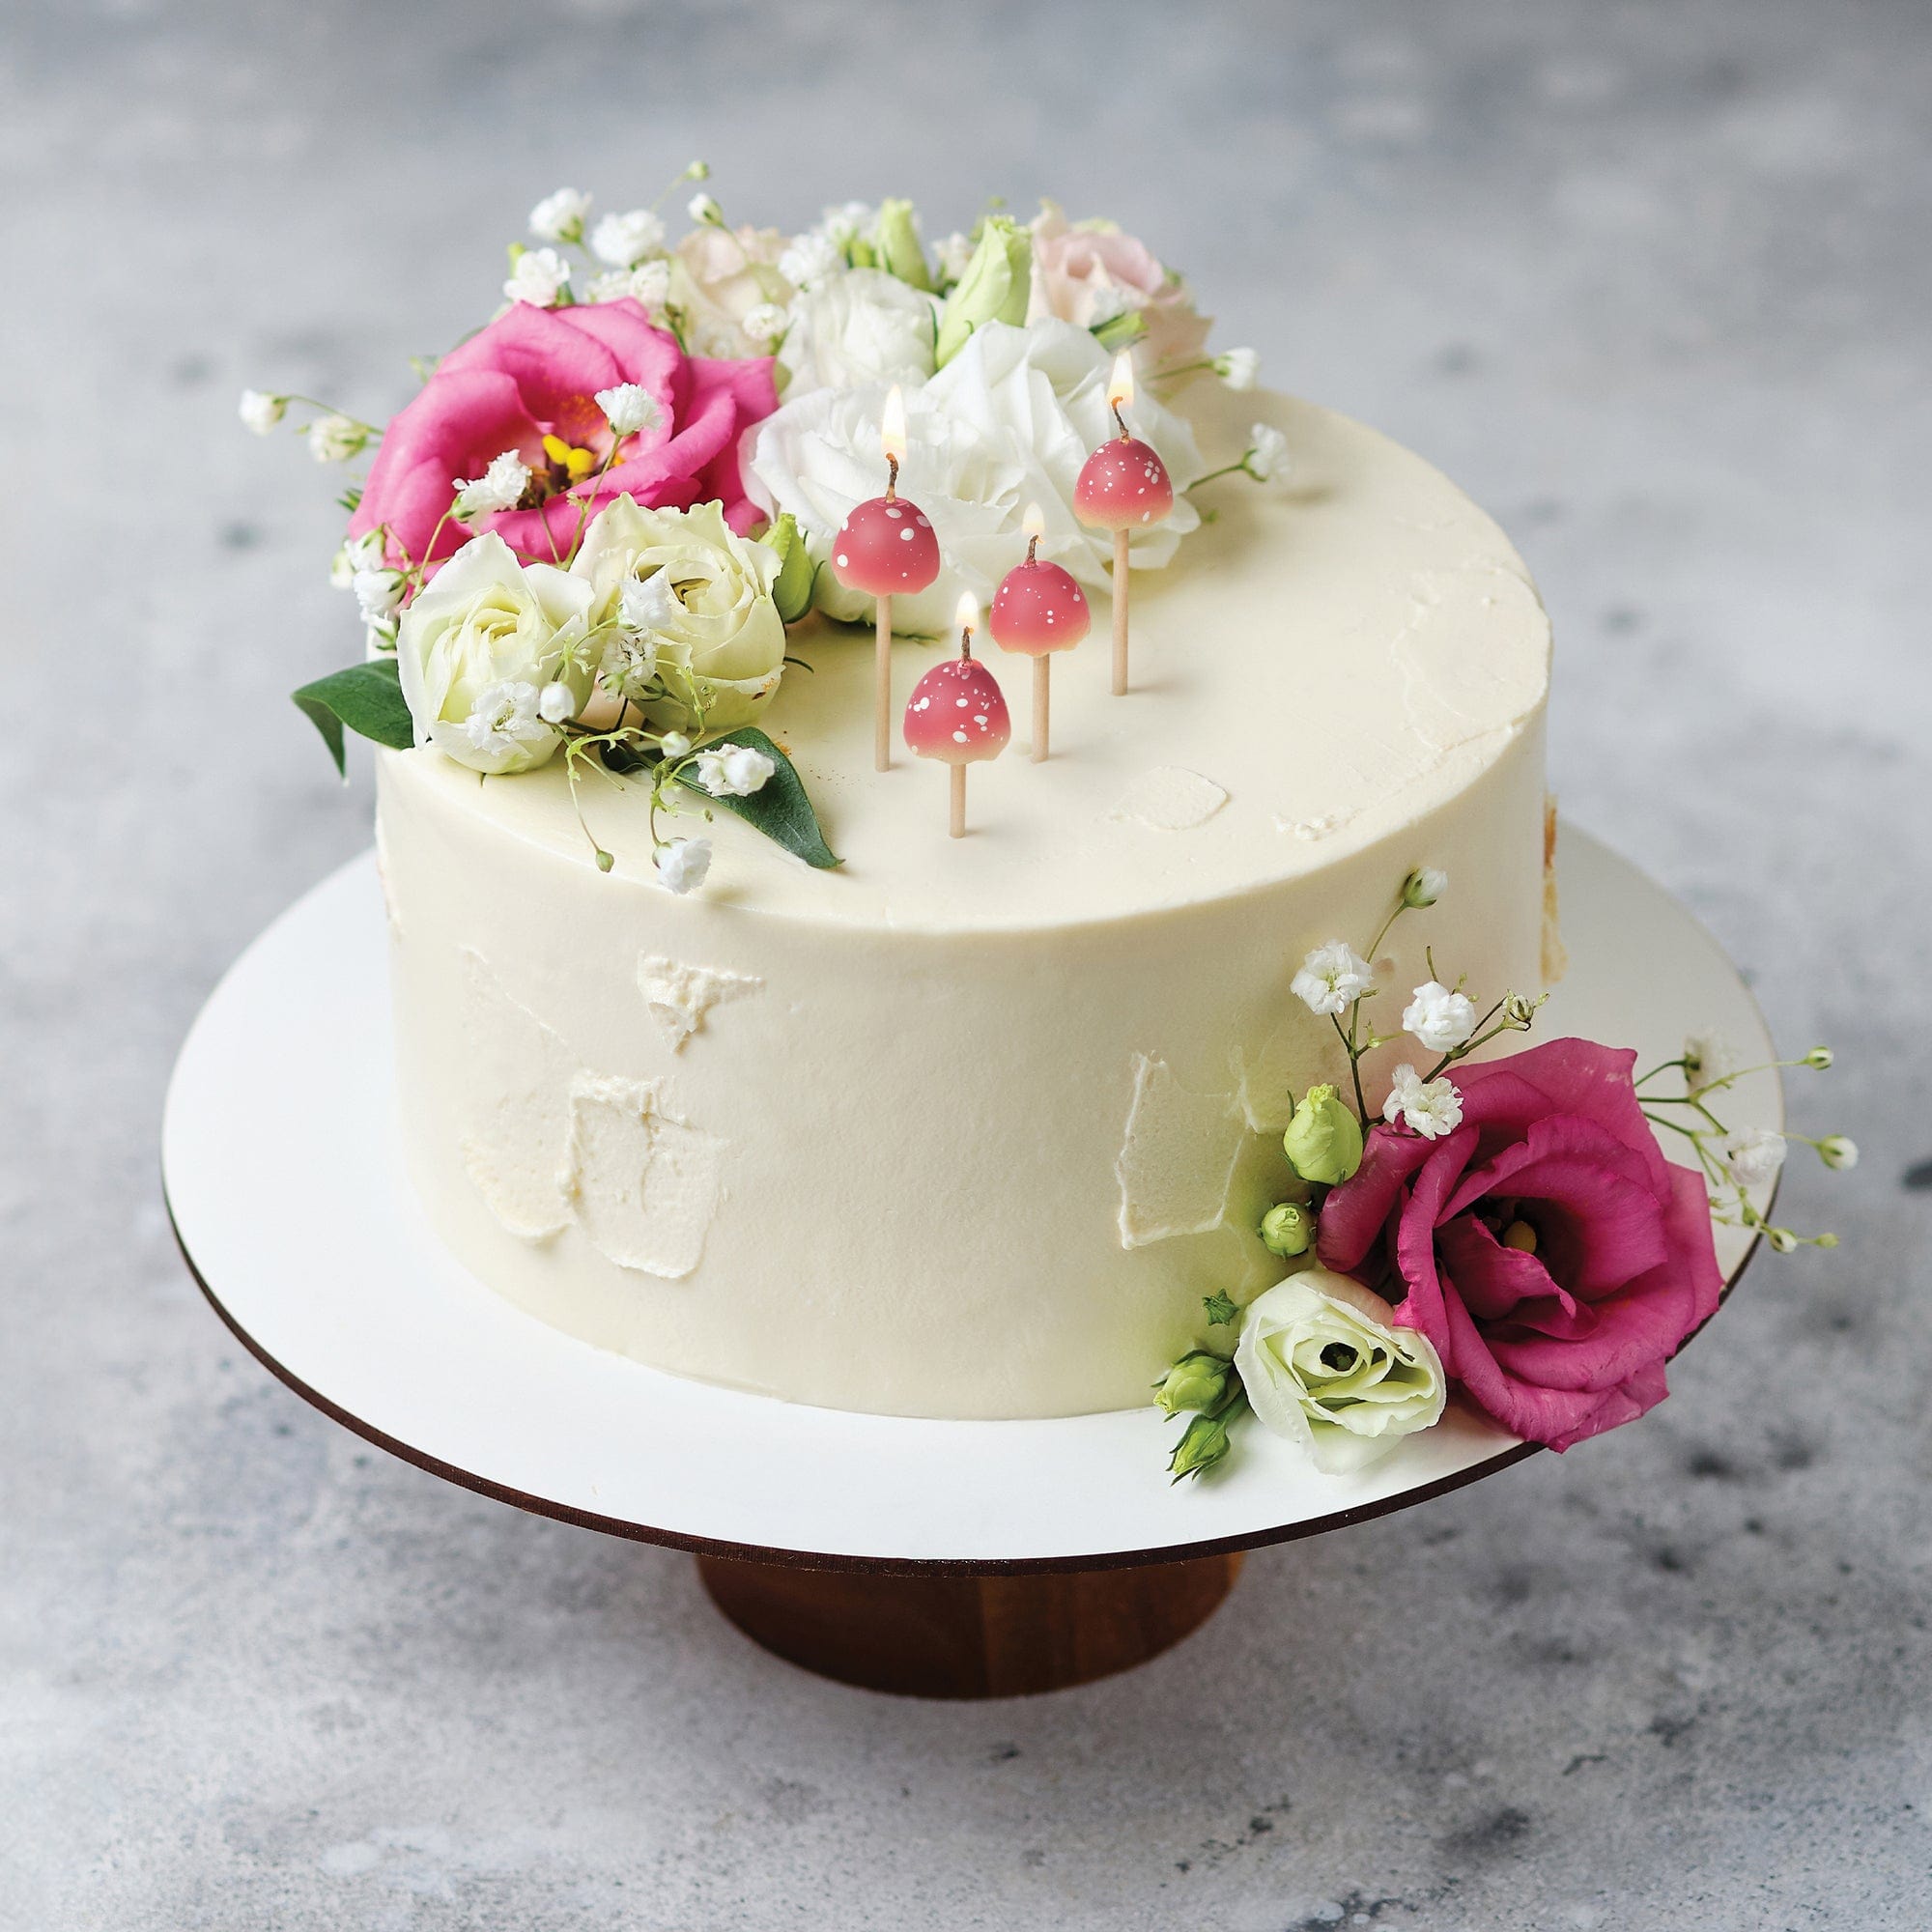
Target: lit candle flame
[[1033, 525], [1120, 383], [892, 426], [967, 616]]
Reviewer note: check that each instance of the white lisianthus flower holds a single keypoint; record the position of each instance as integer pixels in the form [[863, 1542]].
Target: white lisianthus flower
[[1332, 978], [1442, 1020], [505, 731], [557, 703], [1237, 368], [719, 639], [1839, 1151], [766, 323], [861, 329], [482, 624], [629, 408], [1007, 422], [1266, 455], [378, 593], [734, 771], [260, 411], [1752, 1156], [500, 487], [1323, 1367], [561, 216], [623, 241], [809, 259], [538, 278], [1431, 1108], [703, 210], [336, 438], [1707, 1060], [683, 863]]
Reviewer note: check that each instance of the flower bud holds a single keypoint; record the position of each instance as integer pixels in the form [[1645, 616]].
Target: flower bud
[[994, 287], [1323, 1141], [1825, 1240], [1819, 1057], [792, 589], [1839, 1151], [1203, 1444], [1783, 1240], [896, 246], [1424, 886], [1287, 1230], [1118, 331], [1198, 1381]]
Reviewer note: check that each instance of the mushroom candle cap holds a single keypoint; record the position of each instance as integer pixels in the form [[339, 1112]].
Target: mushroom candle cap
[[886, 547], [1039, 607], [1122, 484], [956, 714]]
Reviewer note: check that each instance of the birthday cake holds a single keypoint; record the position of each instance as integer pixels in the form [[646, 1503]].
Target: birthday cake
[[736, 1035]]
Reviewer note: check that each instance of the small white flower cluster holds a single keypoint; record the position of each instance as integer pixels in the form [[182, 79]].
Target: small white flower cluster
[[261, 413], [1237, 368], [538, 276], [623, 241], [734, 771], [629, 408], [505, 719], [500, 488], [1332, 978], [1439, 1018], [1266, 455], [648, 285], [1430, 1108], [683, 863], [561, 216]]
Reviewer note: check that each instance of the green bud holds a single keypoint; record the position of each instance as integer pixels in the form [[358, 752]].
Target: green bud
[[1287, 1230], [895, 242], [1825, 1240], [791, 590], [994, 287], [1424, 886], [1819, 1057], [1323, 1141], [1839, 1151], [1118, 331], [1783, 1240], [1203, 1444], [1219, 1309], [1198, 1381]]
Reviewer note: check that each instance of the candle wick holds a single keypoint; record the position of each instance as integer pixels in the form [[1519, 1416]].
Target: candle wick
[[1032, 550], [1120, 420], [966, 644], [892, 478]]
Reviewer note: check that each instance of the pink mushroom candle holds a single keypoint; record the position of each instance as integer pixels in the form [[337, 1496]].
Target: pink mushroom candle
[[956, 714], [1037, 609], [887, 546], [1122, 484]]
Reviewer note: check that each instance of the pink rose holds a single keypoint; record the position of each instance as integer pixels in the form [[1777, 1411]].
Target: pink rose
[[535, 373], [1088, 272], [1569, 1338]]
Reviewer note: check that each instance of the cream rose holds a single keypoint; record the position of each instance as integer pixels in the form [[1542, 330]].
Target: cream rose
[[718, 276], [484, 629], [1323, 1367], [1088, 272], [860, 328], [1007, 422], [719, 639]]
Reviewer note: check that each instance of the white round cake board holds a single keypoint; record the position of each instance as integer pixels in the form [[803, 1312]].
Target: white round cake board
[[289, 1198]]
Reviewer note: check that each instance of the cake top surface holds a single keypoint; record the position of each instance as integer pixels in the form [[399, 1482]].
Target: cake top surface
[[1323, 664]]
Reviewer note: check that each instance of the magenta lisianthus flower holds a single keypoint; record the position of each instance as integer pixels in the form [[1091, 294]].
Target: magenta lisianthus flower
[[1567, 1338], [533, 375]]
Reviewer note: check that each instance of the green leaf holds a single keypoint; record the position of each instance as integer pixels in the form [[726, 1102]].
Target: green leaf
[[366, 697], [780, 807]]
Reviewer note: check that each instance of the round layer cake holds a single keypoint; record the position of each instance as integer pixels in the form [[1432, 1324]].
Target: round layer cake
[[969, 1127]]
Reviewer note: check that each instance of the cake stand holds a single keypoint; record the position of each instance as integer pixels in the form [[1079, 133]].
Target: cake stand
[[935, 1557]]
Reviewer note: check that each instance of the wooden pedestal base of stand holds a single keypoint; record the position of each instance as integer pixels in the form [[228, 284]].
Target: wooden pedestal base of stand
[[949, 1634]]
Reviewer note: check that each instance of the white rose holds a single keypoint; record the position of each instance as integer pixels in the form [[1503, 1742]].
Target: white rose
[[1008, 421], [858, 330], [484, 622], [1323, 1368], [706, 605], [1441, 1019], [624, 240]]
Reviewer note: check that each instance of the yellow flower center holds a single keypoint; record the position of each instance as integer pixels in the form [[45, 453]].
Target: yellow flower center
[[1522, 1236], [576, 463]]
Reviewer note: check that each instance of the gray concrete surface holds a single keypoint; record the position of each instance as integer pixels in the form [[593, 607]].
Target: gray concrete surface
[[1653, 281]]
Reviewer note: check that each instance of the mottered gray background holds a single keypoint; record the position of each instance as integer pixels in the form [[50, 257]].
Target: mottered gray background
[[1652, 281]]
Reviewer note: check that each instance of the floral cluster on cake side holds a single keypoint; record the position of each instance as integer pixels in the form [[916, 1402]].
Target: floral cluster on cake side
[[588, 533], [1505, 1229]]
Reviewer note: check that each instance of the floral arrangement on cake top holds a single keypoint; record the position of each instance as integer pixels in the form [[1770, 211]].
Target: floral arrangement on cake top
[[589, 533], [1508, 1229]]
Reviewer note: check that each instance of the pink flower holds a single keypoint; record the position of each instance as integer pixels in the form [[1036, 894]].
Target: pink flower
[[1569, 1337], [528, 383], [1088, 272]]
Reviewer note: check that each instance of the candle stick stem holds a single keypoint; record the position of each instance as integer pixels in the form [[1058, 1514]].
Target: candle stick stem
[[882, 689], [1042, 705], [957, 826], [1120, 614]]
